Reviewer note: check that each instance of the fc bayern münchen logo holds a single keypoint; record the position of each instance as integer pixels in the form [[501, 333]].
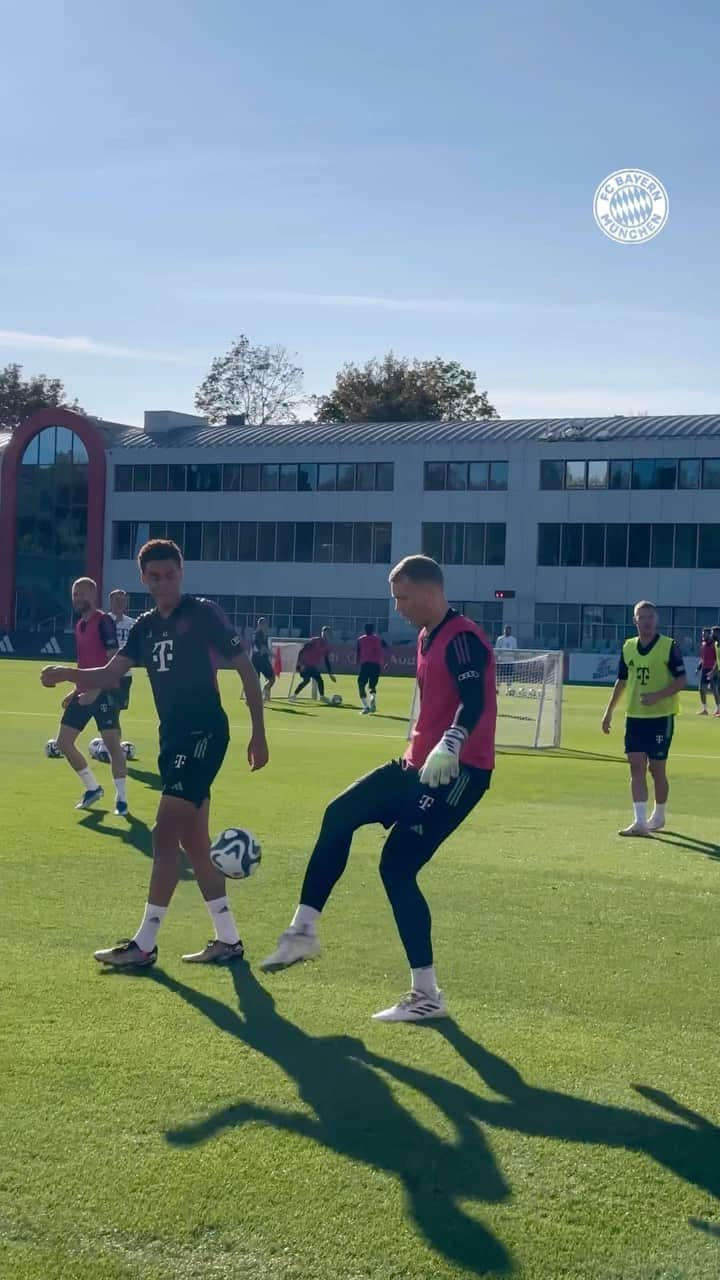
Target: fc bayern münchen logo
[[631, 206]]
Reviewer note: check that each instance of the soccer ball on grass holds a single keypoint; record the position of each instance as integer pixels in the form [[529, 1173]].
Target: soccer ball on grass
[[236, 853], [129, 750], [52, 750], [336, 700], [98, 751]]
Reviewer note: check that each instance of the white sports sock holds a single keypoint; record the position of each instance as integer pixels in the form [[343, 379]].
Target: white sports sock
[[87, 778], [365, 701], [146, 935], [121, 788], [305, 919], [659, 811], [640, 811], [223, 920], [424, 980]]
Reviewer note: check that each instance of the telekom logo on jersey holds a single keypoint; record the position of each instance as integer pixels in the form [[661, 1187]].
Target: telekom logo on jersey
[[163, 654]]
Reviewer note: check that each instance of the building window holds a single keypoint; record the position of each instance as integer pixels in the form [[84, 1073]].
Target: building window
[[470, 543], [465, 475], [123, 479], [203, 477], [549, 544], [689, 473], [575, 475], [231, 477], [598, 474], [711, 473], [634, 546], [620, 472], [552, 473]]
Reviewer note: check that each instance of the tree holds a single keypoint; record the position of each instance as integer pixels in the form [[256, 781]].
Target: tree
[[261, 383], [399, 390], [20, 398]]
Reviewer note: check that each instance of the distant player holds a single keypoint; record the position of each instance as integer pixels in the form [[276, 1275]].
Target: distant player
[[420, 799], [653, 671], [369, 656], [123, 624], [180, 643], [261, 656], [505, 643], [314, 654], [706, 668], [715, 678], [96, 641]]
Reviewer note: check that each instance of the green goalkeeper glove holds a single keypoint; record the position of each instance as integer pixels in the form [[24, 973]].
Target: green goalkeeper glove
[[443, 762]]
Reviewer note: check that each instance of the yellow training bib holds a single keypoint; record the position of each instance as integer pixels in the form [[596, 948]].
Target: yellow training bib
[[647, 673]]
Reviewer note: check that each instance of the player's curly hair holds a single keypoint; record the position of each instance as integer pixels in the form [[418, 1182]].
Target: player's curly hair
[[159, 549]]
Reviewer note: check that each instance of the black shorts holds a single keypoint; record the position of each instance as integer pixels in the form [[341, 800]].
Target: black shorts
[[394, 795], [190, 760], [263, 665], [651, 737], [104, 711], [369, 673], [122, 694], [310, 673]]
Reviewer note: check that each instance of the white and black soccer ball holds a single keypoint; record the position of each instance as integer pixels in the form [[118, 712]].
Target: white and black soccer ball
[[336, 700], [52, 750], [95, 746], [236, 853], [129, 750]]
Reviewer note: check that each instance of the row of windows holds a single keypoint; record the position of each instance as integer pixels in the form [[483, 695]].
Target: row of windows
[[466, 475], [254, 477], [292, 615], [264, 540], [624, 473], [476, 543], [54, 444], [635, 546], [602, 628]]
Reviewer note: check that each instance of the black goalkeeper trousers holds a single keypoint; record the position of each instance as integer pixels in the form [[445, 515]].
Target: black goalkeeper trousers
[[420, 818]]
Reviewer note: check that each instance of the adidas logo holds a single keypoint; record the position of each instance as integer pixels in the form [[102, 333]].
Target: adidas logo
[[52, 646], [178, 786], [6, 645]]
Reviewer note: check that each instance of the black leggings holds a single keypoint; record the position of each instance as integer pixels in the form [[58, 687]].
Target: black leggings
[[420, 818], [369, 674], [308, 674]]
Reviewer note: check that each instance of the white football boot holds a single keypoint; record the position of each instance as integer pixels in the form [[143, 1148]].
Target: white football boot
[[416, 1006], [635, 829], [293, 945], [655, 822]]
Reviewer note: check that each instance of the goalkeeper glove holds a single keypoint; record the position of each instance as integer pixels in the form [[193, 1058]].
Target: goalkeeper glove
[[443, 762]]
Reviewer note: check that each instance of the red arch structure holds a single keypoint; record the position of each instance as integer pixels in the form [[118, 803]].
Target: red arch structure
[[92, 437]]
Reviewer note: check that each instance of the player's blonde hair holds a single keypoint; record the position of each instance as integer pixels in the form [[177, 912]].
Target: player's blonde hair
[[644, 604], [85, 582]]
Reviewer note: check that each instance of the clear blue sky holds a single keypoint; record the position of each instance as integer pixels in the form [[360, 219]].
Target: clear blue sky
[[345, 179]]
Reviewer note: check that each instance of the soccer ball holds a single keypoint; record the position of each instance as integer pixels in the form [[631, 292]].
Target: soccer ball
[[95, 746], [129, 750], [236, 853], [52, 750], [336, 700]]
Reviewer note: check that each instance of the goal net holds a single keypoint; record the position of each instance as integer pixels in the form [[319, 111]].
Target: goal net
[[529, 699], [285, 654]]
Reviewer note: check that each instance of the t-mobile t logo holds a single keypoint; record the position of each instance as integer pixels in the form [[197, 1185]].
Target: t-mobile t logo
[[163, 654]]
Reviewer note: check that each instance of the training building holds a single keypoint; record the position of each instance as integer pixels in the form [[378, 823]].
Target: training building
[[554, 526]]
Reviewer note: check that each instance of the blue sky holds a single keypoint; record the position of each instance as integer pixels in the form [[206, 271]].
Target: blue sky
[[349, 179]]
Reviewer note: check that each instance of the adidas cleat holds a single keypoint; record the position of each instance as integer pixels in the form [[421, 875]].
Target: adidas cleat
[[127, 955], [416, 1006], [216, 952], [635, 829], [90, 798], [293, 945], [121, 809], [655, 822]]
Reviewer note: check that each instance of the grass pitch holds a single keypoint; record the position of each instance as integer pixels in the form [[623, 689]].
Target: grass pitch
[[212, 1123]]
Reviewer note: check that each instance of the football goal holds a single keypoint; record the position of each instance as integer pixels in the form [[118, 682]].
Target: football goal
[[285, 654], [529, 699]]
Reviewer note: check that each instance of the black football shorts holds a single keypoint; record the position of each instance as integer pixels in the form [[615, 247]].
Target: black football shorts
[[650, 737], [190, 760], [104, 711]]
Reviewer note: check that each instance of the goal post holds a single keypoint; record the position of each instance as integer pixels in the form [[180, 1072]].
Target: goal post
[[284, 657], [529, 699]]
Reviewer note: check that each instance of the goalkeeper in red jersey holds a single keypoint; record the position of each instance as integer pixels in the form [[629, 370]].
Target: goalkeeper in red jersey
[[420, 799]]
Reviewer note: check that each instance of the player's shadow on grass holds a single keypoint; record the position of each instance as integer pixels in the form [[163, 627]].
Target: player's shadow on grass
[[131, 831], [561, 753], [145, 777], [678, 840], [687, 1145], [355, 1114]]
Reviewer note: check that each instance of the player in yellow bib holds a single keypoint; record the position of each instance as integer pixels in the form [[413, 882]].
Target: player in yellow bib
[[652, 671]]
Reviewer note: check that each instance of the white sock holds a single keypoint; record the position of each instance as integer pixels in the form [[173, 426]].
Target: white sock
[[223, 920], [146, 935], [364, 701], [659, 810], [640, 811], [121, 788], [304, 919], [87, 778], [424, 980]]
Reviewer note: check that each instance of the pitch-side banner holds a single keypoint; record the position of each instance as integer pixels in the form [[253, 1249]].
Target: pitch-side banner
[[602, 668]]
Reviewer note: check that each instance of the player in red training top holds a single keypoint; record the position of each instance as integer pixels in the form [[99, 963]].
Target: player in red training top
[[369, 657], [96, 641], [422, 798], [706, 667], [310, 658]]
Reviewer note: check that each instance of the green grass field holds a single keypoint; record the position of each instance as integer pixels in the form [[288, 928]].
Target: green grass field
[[217, 1124]]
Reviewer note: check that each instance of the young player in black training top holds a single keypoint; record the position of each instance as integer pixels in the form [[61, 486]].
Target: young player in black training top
[[180, 643]]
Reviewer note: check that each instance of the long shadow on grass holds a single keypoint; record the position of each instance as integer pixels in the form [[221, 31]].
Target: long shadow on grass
[[144, 776], [561, 753], [688, 1145], [357, 1116], [679, 840], [132, 832]]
